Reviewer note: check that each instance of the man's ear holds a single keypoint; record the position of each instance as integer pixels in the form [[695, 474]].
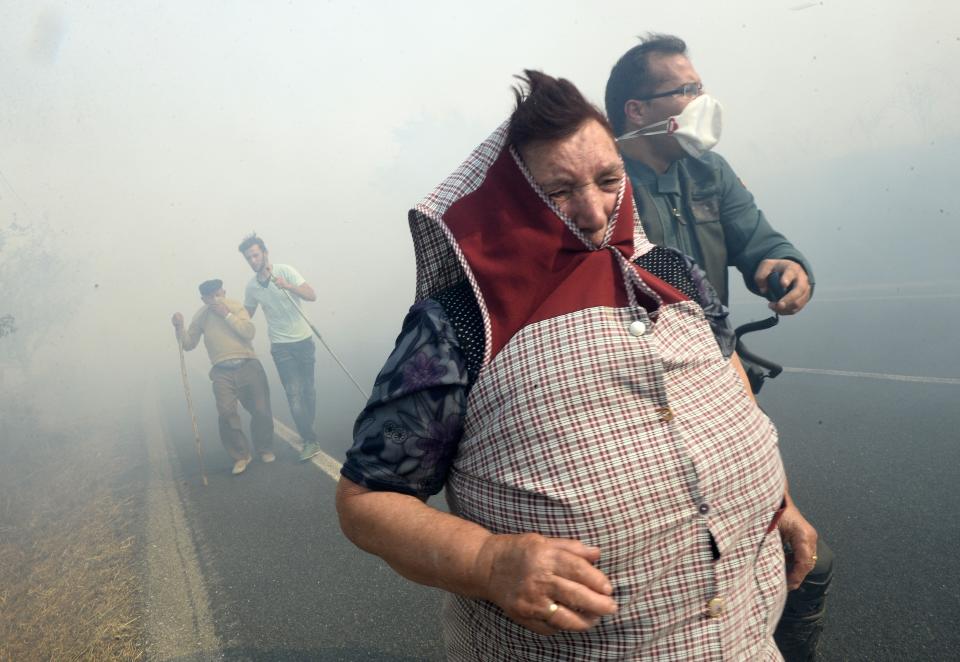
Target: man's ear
[[635, 111]]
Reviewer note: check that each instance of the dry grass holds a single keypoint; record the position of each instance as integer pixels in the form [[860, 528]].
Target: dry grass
[[69, 589]]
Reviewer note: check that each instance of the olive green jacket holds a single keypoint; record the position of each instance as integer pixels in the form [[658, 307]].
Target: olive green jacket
[[701, 208]]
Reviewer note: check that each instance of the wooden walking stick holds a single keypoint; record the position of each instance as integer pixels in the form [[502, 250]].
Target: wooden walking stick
[[193, 416]]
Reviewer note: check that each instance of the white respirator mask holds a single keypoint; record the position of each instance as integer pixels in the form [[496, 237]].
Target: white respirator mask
[[696, 128]]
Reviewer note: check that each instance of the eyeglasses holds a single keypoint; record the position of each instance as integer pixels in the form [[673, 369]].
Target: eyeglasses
[[686, 90]]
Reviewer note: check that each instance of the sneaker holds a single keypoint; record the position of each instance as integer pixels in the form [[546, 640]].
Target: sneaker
[[309, 450], [240, 466], [267, 457]]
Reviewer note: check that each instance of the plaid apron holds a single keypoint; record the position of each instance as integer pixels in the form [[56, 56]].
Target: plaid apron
[[627, 432], [642, 446]]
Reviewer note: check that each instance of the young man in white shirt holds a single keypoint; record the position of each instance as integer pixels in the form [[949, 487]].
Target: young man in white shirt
[[291, 338]]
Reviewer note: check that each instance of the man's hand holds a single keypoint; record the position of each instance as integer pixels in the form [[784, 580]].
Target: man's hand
[[793, 278], [796, 530], [303, 290], [527, 573], [177, 321], [219, 309]]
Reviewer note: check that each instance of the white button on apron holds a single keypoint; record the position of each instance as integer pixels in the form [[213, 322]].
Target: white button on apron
[[637, 328]]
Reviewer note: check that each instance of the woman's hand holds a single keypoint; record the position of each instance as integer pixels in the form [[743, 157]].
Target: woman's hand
[[526, 574], [796, 530]]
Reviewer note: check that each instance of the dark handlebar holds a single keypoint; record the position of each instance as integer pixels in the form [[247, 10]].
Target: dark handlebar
[[758, 368]]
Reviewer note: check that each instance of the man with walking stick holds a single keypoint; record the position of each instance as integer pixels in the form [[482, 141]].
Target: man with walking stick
[[279, 288], [237, 374]]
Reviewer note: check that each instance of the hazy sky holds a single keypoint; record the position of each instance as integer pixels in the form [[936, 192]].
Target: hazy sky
[[147, 139]]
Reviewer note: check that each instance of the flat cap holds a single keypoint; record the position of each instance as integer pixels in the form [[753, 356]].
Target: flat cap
[[208, 287]]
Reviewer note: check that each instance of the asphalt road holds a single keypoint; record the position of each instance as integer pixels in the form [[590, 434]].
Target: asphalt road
[[873, 464], [283, 582]]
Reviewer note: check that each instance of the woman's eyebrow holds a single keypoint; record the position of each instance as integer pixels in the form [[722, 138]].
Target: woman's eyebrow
[[558, 180], [612, 169]]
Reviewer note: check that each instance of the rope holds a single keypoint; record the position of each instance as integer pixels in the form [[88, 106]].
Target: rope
[[363, 394]]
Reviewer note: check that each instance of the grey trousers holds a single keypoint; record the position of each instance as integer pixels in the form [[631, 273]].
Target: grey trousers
[[247, 384]]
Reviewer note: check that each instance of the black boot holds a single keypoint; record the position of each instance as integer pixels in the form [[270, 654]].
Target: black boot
[[799, 629]]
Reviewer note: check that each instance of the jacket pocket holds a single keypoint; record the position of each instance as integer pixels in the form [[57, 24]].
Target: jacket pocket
[[705, 209]]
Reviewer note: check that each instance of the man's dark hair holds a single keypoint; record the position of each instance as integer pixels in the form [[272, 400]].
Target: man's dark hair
[[549, 109], [630, 77], [252, 240]]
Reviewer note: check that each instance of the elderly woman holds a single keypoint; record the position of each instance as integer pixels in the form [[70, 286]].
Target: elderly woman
[[614, 490]]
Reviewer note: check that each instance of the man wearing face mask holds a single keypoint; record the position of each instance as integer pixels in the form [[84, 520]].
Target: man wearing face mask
[[237, 374], [689, 198]]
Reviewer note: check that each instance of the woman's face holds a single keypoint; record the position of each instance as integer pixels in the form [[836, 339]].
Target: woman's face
[[581, 174]]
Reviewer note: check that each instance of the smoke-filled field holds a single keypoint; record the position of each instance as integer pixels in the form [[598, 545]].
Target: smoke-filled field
[[70, 536]]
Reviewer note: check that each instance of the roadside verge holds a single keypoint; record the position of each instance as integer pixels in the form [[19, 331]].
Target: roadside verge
[[177, 607]]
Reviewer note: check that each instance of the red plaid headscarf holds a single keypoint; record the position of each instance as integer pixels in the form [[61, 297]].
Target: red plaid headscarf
[[525, 260]]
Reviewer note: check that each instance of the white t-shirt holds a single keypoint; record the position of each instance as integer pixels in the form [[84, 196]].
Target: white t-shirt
[[284, 323]]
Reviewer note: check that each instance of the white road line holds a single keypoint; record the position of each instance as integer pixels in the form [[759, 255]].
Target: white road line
[[850, 298], [321, 460], [886, 297], [331, 467], [877, 375]]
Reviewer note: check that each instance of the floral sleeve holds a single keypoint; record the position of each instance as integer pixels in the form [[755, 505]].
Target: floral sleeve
[[713, 309], [406, 437]]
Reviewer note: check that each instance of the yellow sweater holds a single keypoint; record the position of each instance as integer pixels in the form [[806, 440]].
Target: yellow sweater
[[225, 338]]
